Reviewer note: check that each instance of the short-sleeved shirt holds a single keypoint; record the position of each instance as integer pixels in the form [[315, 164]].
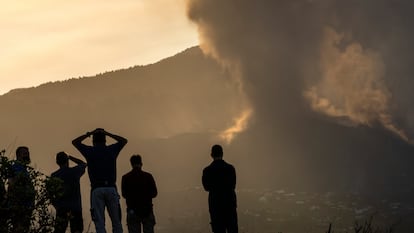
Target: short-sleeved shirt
[[101, 163], [71, 196]]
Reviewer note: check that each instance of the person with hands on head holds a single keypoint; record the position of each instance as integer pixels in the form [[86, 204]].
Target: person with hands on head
[[68, 205], [101, 159]]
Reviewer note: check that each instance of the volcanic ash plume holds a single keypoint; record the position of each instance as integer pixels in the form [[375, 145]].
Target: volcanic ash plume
[[240, 124], [345, 59], [352, 85]]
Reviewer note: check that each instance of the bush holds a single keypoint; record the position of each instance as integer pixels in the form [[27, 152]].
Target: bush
[[36, 186]]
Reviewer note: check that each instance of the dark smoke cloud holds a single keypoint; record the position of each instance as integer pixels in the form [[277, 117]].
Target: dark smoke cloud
[[329, 81], [346, 59]]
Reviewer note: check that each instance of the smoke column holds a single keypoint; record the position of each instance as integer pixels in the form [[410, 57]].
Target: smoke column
[[348, 60]]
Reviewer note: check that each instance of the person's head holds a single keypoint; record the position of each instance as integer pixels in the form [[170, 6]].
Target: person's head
[[62, 159], [98, 137], [217, 152], [136, 161], [23, 154]]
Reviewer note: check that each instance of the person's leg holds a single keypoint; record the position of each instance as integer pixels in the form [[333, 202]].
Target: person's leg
[[76, 222], [217, 222], [61, 221], [232, 225], [98, 209], [133, 222], [114, 209], [148, 223]]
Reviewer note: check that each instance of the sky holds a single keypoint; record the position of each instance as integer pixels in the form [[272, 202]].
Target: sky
[[50, 40]]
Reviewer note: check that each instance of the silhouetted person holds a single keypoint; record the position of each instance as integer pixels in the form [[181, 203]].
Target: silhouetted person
[[101, 160], [69, 204], [138, 189], [219, 179], [21, 192]]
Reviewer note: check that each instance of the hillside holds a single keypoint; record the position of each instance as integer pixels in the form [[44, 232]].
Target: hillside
[[185, 93]]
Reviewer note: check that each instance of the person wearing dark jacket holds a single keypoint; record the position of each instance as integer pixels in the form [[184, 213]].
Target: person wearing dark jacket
[[69, 204], [219, 179], [138, 188]]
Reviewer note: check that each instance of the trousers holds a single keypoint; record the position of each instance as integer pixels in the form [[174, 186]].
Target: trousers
[[135, 222], [101, 198]]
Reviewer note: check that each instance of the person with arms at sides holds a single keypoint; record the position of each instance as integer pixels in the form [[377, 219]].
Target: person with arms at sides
[[69, 203], [219, 180], [101, 160], [138, 188], [21, 193]]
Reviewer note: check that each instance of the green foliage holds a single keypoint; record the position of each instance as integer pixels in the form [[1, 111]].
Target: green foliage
[[54, 188], [30, 195]]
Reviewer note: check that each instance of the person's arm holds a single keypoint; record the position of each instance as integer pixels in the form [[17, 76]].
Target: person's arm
[[123, 187], [81, 166], [233, 178], [121, 140], [153, 189], [205, 180], [76, 160], [77, 142]]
